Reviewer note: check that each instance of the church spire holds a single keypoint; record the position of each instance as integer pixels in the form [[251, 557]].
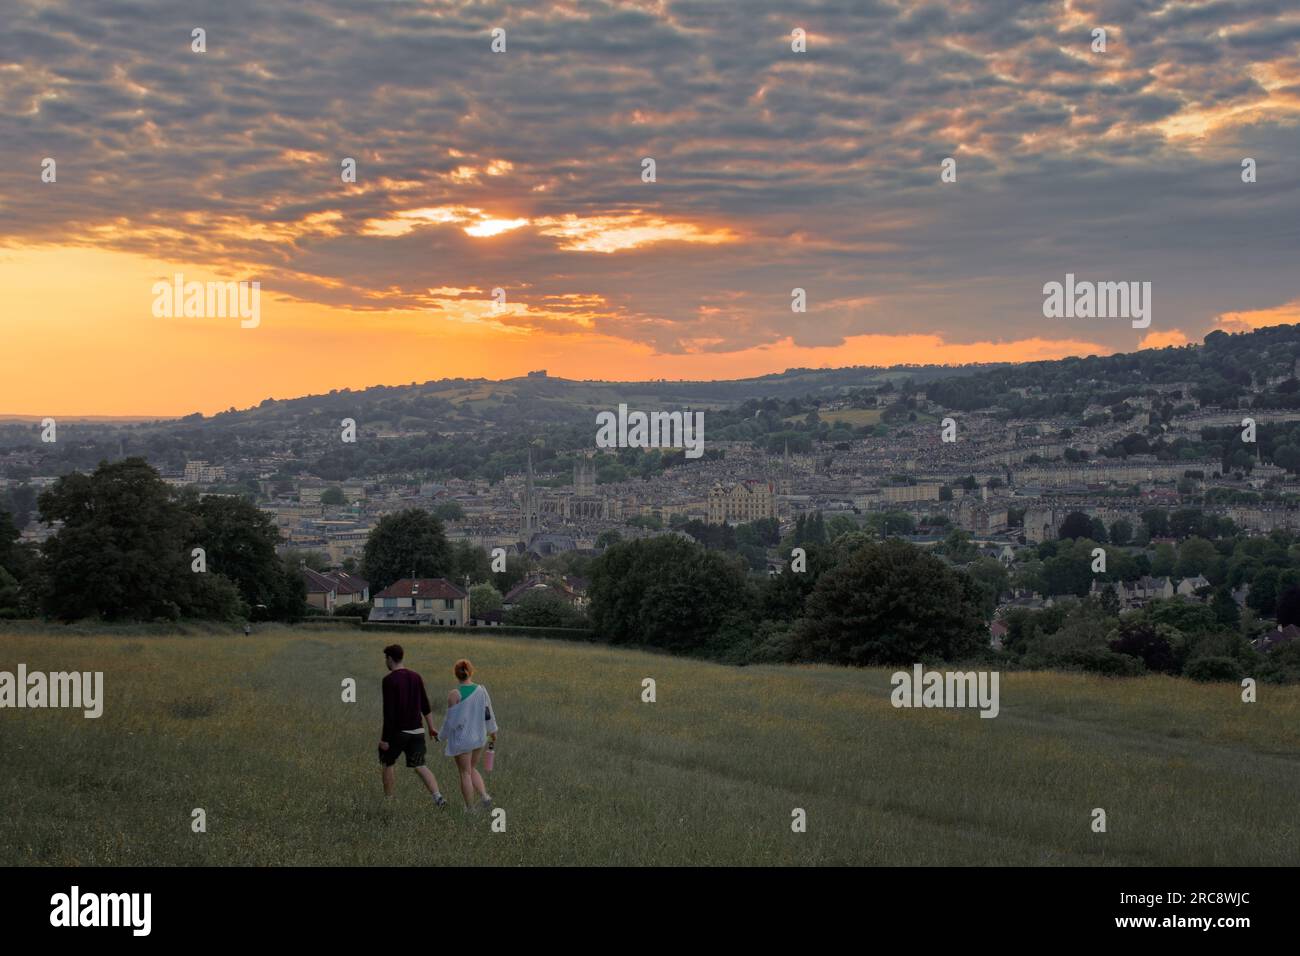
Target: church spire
[[530, 503]]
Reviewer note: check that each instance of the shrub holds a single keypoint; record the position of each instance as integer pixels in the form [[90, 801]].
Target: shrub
[[740, 641], [543, 608], [1153, 644], [357, 609], [1099, 660], [1214, 669], [1281, 665]]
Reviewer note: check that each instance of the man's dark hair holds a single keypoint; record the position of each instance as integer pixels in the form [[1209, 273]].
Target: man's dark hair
[[394, 651]]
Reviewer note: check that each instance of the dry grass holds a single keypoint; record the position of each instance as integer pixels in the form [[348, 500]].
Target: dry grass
[[254, 731]]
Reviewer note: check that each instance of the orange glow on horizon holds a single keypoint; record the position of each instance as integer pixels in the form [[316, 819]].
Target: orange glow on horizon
[[1159, 340], [1288, 313], [92, 347]]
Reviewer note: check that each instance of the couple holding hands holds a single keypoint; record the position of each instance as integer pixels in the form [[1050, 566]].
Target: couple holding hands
[[468, 729]]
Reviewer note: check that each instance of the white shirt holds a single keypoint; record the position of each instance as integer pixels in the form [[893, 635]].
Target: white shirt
[[467, 725]]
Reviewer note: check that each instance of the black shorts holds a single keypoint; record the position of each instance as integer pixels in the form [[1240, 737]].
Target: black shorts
[[411, 744]]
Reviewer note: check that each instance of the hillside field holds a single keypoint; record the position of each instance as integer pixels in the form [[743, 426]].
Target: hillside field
[[254, 731], [846, 416]]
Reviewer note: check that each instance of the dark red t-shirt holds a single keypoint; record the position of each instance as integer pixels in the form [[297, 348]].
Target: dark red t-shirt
[[405, 702]]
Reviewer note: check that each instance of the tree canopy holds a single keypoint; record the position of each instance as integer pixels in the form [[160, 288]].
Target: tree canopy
[[405, 543]]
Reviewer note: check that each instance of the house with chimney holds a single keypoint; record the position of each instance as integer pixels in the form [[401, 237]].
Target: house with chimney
[[1188, 587], [348, 588], [1139, 593], [322, 592], [421, 601], [327, 590], [1271, 639]]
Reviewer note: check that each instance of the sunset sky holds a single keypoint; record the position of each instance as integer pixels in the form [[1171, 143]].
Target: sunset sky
[[522, 170]]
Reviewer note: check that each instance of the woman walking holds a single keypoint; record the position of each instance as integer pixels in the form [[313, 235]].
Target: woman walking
[[468, 726]]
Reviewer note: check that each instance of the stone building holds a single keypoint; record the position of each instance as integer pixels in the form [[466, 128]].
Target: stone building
[[1042, 524], [741, 503]]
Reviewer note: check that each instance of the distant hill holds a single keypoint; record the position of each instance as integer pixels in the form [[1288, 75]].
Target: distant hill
[[543, 399], [1225, 371], [1221, 370], [480, 427]]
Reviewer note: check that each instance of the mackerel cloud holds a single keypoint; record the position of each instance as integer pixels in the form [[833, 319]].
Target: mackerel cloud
[[775, 169]]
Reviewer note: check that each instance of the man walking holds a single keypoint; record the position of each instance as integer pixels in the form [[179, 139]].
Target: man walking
[[406, 712]]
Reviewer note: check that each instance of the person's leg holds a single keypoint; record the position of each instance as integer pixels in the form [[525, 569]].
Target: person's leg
[[466, 778], [416, 748], [474, 774], [429, 779], [387, 761]]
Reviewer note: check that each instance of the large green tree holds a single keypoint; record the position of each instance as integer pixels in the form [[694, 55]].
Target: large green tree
[[470, 561], [891, 603], [1121, 531], [484, 598], [239, 540], [406, 542], [782, 596], [1196, 556], [1288, 607], [666, 592], [1156, 521], [993, 581], [1076, 525], [8, 535], [1069, 571], [10, 586], [19, 572], [124, 550]]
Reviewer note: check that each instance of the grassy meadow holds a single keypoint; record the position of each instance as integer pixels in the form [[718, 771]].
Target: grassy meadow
[[846, 416], [254, 731]]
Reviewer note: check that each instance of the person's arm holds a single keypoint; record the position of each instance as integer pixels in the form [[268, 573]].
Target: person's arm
[[389, 702], [451, 702], [427, 710]]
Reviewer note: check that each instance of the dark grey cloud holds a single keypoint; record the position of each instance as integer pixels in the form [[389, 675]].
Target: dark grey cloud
[[824, 165]]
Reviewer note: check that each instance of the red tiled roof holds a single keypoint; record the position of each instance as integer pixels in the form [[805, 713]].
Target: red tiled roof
[[422, 588]]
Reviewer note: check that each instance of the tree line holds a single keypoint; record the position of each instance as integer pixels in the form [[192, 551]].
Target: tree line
[[129, 546], [125, 546]]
